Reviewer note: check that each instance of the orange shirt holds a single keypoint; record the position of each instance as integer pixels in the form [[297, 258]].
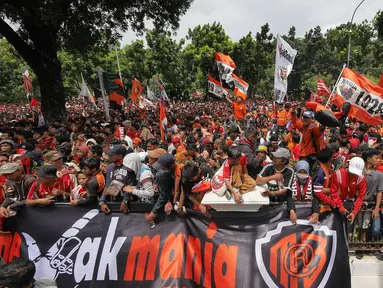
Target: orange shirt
[[282, 117], [239, 111], [307, 142]]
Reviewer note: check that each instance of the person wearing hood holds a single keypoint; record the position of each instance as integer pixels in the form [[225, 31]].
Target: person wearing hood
[[302, 183], [8, 146], [144, 189], [247, 146], [165, 183]]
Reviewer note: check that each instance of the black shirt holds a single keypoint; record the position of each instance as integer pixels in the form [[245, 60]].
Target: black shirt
[[288, 175]]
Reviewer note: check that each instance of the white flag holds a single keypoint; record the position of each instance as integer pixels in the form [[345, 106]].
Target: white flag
[[151, 95], [284, 61], [86, 93]]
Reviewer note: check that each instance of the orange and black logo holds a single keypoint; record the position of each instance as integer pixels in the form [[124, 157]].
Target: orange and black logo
[[296, 256]]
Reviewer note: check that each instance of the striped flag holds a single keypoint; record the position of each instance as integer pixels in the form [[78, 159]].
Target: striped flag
[[322, 89], [226, 65]]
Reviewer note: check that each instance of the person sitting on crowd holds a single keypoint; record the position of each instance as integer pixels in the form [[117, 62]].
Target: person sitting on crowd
[[349, 184], [16, 188], [239, 108], [165, 183], [312, 137], [96, 183], [235, 157], [279, 177]]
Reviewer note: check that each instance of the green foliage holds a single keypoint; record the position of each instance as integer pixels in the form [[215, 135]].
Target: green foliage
[[184, 65]]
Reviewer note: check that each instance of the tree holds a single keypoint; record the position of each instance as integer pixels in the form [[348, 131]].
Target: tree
[[46, 26], [11, 79]]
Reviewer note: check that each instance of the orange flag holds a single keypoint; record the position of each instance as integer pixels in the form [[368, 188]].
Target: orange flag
[[115, 97], [239, 93], [365, 97], [381, 81], [137, 89]]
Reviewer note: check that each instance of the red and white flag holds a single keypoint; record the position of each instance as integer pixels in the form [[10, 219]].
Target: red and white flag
[[239, 85], [322, 89], [215, 87], [225, 64], [163, 122]]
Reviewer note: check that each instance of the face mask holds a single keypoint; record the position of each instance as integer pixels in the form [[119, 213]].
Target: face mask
[[302, 176]]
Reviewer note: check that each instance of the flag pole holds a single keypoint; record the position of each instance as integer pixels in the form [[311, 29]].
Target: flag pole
[[106, 107], [336, 84], [118, 63]]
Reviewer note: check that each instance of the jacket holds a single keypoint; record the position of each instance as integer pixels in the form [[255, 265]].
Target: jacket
[[254, 163], [312, 141], [17, 190]]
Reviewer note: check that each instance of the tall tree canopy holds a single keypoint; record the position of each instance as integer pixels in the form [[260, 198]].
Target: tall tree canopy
[[38, 29]]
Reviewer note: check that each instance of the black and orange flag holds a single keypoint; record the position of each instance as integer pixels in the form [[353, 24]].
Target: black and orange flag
[[137, 89]]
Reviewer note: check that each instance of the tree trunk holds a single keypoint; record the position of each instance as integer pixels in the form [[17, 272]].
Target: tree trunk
[[42, 58], [52, 90]]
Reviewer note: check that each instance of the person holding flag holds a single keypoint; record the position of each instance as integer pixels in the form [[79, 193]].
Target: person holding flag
[[239, 109]]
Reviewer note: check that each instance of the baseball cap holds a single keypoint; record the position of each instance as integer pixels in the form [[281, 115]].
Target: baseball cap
[[53, 156], [262, 148], [356, 166], [282, 153], [117, 150], [156, 153], [48, 172], [9, 168], [308, 114], [164, 162], [27, 146], [274, 137], [9, 142]]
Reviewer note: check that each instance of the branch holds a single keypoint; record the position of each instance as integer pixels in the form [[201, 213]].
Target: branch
[[15, 40]]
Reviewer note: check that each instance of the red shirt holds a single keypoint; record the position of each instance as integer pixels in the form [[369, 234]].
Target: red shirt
[[346, 186], [227, 167], [296, 151], [63, 183], [2, 192], [355, 142]]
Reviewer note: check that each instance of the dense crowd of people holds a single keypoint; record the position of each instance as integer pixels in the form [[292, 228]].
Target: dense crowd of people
[[222, 147]]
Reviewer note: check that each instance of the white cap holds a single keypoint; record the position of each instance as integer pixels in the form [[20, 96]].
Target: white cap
[[356, 166]]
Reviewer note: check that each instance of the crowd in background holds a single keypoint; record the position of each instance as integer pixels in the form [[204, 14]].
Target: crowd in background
[[223, 147]]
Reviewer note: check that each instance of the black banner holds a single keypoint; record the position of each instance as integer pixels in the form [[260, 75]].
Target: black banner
[[82, 248]]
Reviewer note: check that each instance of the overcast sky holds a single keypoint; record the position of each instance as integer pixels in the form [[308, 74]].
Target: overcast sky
[[239, 17]]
